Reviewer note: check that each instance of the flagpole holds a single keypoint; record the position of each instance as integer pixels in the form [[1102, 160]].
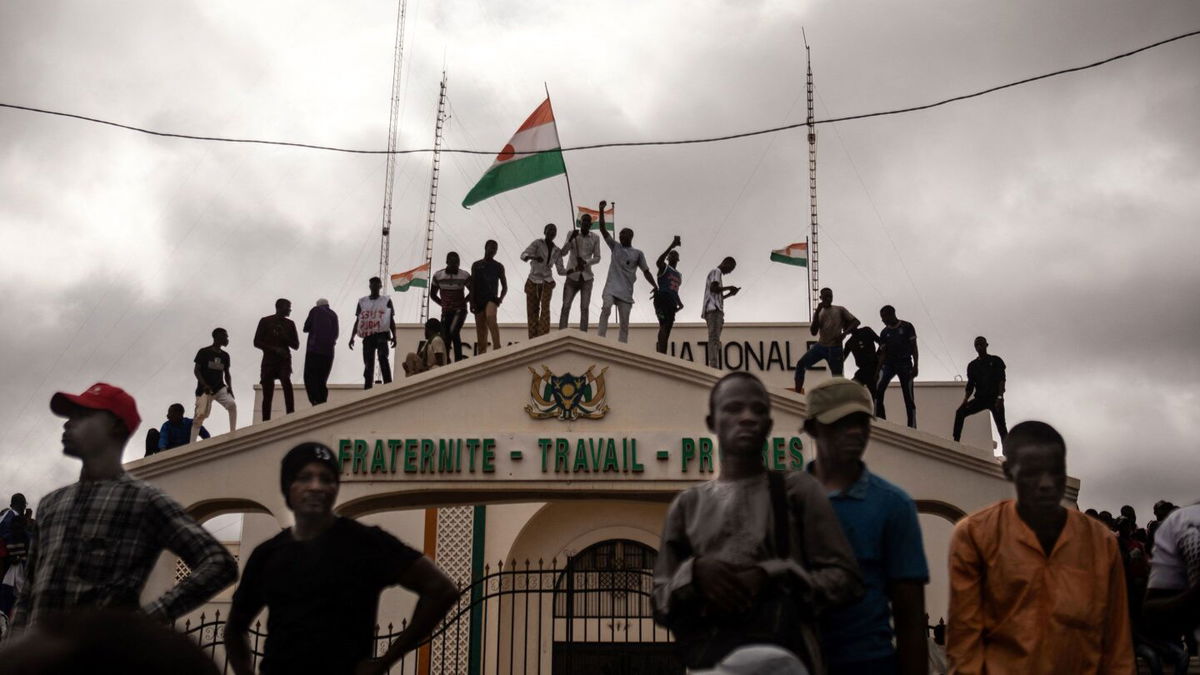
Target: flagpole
[[566, 174], [808, 273]]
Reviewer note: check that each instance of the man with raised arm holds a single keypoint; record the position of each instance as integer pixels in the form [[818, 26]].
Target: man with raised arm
[[98, 539], [320, 581], [622, 273], [582, 251], [831, 324], [1035, 587], [752, 556], [374, 323], [713, 311], [541, 254], [666, 293]]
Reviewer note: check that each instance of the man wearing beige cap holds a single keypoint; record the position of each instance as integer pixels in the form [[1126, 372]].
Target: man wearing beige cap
[[880, 520], [98, 539]]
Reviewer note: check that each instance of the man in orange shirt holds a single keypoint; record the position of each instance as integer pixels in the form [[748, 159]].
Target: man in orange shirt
[[1035, 587]]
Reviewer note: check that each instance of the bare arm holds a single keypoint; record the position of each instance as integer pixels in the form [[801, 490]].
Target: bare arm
[[354, 330], [503, 286], [436, 595], [434, 289], [392, 328], [816, 320], [200, 380], [908, 616]]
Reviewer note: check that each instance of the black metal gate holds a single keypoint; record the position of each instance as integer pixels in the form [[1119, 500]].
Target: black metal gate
[[589, 616]]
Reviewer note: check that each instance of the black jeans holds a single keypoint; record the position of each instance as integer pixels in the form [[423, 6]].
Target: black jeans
[[372, 345], [452, 323], [903, 370], [979, 404], [316, 376], [269, 373], [665, 311]]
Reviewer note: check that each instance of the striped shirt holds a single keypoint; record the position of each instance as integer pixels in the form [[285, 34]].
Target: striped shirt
[[97, 541]]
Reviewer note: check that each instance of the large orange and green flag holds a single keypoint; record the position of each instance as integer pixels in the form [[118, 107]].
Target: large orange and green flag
[[792, 254], [417, 277], [595, 215], [531, 155]]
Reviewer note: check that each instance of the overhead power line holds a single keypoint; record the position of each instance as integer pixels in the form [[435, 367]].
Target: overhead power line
[[597, 146]]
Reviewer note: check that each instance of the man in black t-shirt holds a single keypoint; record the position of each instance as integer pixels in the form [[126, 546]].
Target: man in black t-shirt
[[861, 344], [898, 354], [321, 579], [276, 336], [985, 378], [488, 288], [213, 382]]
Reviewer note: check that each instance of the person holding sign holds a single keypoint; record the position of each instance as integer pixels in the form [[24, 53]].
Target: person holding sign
[[373, 323]]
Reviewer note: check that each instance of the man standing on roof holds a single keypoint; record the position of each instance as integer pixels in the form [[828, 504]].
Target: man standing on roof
[[863, 344], [541, 254], [449, 290], [213, 382], [985, 379], [713, 311], [320, 581], [373, 323], [898, 352], [489, 285], [831, 324], [322, 328], [582, 251], [98, 539], [276, 337], [622, 273], [666, 294]]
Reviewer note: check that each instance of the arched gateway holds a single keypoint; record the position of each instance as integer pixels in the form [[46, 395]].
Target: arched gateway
[[532, 455]]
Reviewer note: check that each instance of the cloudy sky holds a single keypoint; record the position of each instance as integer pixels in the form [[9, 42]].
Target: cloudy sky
[[1059, 218]]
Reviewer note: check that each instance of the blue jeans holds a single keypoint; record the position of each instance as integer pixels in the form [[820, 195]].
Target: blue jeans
[[903, 370], [831, 355]]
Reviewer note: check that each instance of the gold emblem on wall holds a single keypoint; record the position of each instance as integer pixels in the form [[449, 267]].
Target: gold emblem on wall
[[567, 397]]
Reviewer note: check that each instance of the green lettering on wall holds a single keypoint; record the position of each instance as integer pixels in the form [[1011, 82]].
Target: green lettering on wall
[[777, 453], [394, 445], [472, 446], [580, 457], [378, 459], [428, 449], [344, 446], [445, 455], [544, 445], [687, 453], [562, 451], [637, 466], [796, 450], [489, 454], [706, 454], [359, 463], [410, 455], [610, 457]]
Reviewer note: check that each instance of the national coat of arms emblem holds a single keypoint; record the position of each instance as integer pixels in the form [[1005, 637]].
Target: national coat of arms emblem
[[567, 397]]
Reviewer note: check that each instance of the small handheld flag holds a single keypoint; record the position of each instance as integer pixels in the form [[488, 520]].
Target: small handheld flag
[[585, 211]]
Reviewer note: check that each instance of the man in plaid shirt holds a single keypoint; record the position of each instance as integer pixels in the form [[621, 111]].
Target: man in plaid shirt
[[98, 539]]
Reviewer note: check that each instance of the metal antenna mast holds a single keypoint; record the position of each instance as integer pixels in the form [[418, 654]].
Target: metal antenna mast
[[433, 191], [393, 134], [814, 259]]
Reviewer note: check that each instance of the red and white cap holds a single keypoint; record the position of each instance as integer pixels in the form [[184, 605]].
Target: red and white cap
[[99, 396]]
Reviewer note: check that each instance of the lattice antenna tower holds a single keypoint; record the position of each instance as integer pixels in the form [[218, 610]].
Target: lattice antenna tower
[[814, 259], [431, 220], [393, 136]]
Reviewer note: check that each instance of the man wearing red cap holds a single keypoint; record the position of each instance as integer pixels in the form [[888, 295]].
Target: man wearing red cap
[[98, 539]]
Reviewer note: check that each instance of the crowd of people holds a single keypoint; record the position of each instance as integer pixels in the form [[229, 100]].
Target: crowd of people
[[813, 571]]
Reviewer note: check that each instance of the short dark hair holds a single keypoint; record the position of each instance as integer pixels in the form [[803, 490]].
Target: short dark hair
[[433, 324], [375, 280], [1032, 432], [737, 374], [219, 331], [490, 242], [18, 498], [281, 302], [175, 406], [887, 309]]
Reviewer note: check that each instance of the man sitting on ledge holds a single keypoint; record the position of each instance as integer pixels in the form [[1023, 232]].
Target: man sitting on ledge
[[429, 355]]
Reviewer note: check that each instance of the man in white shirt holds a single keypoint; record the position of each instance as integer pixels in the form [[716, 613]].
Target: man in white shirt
[[622, 272], [373, 323], [540, 254], [1173, 592], [582, 250], [713, 309]]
